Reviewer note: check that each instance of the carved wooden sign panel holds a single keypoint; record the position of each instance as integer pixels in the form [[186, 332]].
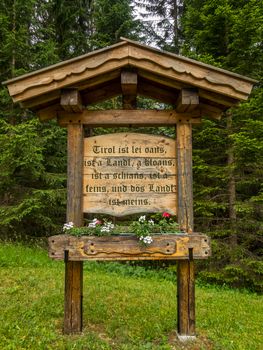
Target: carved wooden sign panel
[[127, 173]]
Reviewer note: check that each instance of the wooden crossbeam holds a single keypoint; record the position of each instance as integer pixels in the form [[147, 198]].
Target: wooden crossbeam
[[147, 89], [102, 93], [210, 111], [225, 101], [49, 112], [127, 117]]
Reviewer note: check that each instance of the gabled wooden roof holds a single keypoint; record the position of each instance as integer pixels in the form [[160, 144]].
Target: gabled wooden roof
[[161, 75]]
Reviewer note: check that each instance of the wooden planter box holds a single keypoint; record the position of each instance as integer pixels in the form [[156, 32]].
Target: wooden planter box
[[128, 247]]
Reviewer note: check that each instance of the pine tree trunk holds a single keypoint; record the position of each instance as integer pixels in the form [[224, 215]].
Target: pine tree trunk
[[13, 58], [12, 118], [231, 181], [175, 26]]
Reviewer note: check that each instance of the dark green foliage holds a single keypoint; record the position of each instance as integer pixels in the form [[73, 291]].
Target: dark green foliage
[[225, 33], [229, 34], [15, 19], [113, 20], [32, 181], [162, 22], [35, 34]]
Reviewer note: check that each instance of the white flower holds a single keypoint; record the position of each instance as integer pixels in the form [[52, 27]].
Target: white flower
[[110, 225], [105, 229], [68, 226], [142, 218], [151, 222], [146, 239]]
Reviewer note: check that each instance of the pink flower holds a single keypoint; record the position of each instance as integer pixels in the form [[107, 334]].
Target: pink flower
[[166, 215], [98, 222]]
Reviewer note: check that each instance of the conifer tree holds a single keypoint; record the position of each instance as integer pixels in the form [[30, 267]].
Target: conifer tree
[[35, 34], [228, 33], [113, 19], [162, 22]]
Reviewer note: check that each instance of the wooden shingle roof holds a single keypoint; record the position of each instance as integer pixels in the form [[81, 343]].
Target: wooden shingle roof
[[161, 75]]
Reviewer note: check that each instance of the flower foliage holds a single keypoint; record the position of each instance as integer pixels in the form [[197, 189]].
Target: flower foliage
[[94, 228], [143, 228]]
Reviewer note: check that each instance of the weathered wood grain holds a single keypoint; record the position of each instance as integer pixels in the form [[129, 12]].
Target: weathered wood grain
[[187, 101], [102, 92], [184, 176], [178, 68], [73, 297], [188, 72], [129, 82], [185, 269], [129, 173], [70, 100], [49, 112], [127, 117], [158, 92], [74, 174], [128, 247], [74, 269], [115, 118], [70, 73], [119, 206], [220, 99], [211, 111]]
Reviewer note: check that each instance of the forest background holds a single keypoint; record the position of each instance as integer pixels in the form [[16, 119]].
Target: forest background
[[227, 154]]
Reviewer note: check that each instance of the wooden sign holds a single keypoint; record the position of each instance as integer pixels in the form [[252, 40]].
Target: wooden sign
[[127, 173]]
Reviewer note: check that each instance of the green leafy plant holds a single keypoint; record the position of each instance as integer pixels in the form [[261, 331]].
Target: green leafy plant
[[95, 228], [143, 228]]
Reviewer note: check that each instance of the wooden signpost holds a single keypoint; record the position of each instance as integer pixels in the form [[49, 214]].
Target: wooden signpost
[[122, 174], [127, 173]]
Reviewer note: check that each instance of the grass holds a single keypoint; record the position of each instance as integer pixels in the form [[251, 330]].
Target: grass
[[125, 308]]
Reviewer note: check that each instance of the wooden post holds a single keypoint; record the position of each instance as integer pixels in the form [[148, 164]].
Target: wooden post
[[185, 268], [129, 89], [73, 269]]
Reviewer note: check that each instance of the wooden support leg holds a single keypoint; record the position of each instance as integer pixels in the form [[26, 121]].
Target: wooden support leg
[[74, 269], [73, 297], [185, 298], [185, 268]]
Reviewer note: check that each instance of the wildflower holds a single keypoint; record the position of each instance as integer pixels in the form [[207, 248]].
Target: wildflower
[[151, 222], [107, 227], [94, 223], [166, 215], [146, 239], [68, 226], [142, 218]]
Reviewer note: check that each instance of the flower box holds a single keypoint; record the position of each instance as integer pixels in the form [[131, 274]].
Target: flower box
[[128, 247]]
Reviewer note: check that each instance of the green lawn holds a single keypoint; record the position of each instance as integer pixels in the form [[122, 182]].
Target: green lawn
[[124, 308]]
